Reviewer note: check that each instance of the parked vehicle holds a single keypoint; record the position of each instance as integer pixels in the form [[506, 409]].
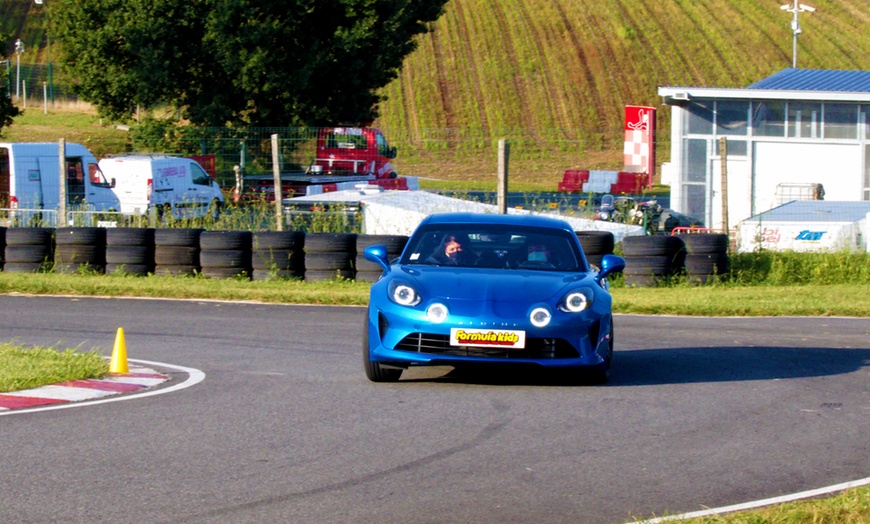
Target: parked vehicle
[[486, 289], [165, 183], [344, 157], [30, 178]]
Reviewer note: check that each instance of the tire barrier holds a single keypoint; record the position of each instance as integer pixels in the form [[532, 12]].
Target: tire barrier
[[176, 251], [80, 248], [369, 271], [130, 251], [706, 256], [651, 259], [225, 254], [277, 254], [28, 249], [329, 256], [595, 245]]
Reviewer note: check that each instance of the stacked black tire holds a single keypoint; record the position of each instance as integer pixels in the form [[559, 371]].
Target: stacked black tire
[[706, 256], [369, 271], [329, 256], [80, 249], [176, 251], [130, 251], [595, 245], [650, 260], [225, 254], [28, 250], [278, 254]]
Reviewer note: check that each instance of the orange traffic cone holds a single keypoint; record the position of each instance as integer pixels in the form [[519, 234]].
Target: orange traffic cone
[[118, 363]]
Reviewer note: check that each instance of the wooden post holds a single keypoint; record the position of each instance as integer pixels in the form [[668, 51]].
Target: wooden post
[[61, 200], [723, 158], [503, 156], [276, 174]]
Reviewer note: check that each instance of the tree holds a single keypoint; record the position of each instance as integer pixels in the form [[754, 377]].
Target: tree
[[243, 62], [7, 110]]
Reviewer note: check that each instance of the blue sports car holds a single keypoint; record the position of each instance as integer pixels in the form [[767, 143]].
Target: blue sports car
[[473, 289]]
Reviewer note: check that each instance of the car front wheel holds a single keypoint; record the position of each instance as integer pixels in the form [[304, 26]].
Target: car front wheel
[[374, 370], [602, 374]]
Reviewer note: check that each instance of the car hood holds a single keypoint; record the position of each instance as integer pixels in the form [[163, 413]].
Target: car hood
[[491, 285]]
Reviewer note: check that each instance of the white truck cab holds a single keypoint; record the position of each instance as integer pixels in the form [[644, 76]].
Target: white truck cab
[[166, 183]]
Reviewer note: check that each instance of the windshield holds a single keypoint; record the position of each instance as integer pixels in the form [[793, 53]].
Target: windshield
[[494, 246]]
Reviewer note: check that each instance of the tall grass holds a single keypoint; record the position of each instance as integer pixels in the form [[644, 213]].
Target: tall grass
[[789, 268]]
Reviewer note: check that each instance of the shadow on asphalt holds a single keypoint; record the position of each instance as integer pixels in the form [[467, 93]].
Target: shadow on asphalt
[[730, 364], [670, 366]]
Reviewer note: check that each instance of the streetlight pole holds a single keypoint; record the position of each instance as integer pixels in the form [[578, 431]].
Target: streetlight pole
[[19, 48], [796, 26]]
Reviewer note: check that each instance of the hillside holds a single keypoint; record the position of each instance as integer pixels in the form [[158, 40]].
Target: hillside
[[552, 76]]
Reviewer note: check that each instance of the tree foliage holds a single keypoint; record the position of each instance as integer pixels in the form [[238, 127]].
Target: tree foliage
[[255, 62], [7, 110]]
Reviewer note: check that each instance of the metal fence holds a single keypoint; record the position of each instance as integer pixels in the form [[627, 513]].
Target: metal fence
[[35, 84]]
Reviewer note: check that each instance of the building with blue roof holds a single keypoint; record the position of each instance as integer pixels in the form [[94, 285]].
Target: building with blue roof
[[797, 134]]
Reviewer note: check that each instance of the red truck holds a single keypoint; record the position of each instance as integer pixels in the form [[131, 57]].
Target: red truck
[[345, 157]]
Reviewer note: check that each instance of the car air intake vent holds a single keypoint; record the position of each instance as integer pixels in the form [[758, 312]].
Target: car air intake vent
[[440, 345]]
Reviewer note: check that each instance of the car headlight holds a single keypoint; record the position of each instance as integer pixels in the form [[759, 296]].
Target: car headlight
[[437, 313], [576, 301], [404, 294], [540, 317]]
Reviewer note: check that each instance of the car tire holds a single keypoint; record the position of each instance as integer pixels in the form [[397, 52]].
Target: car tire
[[142, 255], [225, 240], [176, 270], [25, 267], [28, 236], [705, 243], [602, 375], [130, 236], [596, 242], [376, 372], [643, 246], [176, 256], [139, 270]]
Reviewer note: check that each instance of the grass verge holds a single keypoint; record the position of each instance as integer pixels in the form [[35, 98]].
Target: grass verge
[[850, 300], [29, 367], [848, 507]]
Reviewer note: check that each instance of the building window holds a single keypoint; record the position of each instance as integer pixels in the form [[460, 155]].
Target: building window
[[696, 160], [695, 201], [732, 118], [864, 121], [803, 120], [735, 148], [700, 116], [841, 121], [768, 119], [867, 172]]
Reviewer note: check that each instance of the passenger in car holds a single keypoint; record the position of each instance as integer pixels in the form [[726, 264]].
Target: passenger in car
[[453, 251]]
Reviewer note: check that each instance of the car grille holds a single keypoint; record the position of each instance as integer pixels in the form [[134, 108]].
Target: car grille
[[536, 348]]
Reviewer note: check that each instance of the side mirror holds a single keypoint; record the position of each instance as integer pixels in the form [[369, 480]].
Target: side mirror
[[610, 264], [378, 255], [391, 152], [112, 183]]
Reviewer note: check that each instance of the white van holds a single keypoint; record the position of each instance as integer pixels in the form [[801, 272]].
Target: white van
[[164, 183], [30, 178]]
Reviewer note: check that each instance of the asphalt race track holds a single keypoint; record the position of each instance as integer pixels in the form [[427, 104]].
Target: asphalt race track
[[285, 428]]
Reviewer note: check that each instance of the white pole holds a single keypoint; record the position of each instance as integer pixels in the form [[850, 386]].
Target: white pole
[[796, 29], [18, 75]]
